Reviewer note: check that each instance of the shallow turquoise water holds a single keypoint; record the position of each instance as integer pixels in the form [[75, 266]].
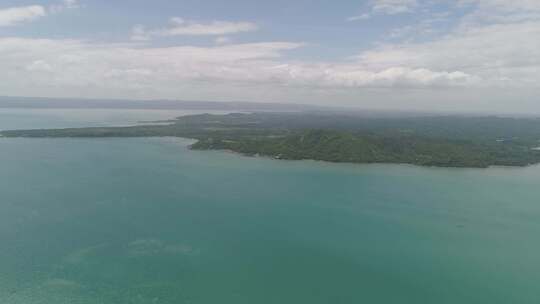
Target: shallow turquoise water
[[149, 221]]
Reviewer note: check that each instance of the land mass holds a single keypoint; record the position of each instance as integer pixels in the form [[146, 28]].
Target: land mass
[[444, 141]]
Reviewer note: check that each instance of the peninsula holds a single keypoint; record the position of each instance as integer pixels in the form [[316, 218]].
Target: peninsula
[[443, 141]]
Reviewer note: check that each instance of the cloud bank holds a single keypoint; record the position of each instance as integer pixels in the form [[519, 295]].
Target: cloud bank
[[491, 49], [180, 27], [17, 15]]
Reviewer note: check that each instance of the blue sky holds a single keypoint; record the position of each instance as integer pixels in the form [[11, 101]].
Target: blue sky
[[458, 55], [322, 24]]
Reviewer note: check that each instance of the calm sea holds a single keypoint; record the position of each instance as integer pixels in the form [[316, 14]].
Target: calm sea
[[148, 221]]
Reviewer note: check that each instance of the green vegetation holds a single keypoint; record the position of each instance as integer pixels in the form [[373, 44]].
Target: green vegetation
[[447, 141]]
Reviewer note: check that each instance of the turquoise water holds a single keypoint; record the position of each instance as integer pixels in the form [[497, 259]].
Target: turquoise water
[[149, 221]]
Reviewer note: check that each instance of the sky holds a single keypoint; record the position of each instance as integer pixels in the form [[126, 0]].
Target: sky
[[447, 55]]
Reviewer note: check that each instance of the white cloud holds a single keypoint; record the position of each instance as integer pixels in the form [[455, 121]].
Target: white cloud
[[39, 66], [392, 7], [72, 3], [419, 30], [504, 5], [180, 27], [78, 66], [457, 65], [72, 64], [359, 17], [64, 5], [498, 12], [223, 40], [139, 33], [387, 7], [359, 76], [490, 42], [16, 15], [490, 54]]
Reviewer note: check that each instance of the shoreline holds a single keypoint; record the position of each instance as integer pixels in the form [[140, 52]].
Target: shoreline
[[263, 156], [270, 157]]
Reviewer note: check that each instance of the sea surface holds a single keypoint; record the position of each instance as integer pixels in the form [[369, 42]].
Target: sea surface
[[146, 220]]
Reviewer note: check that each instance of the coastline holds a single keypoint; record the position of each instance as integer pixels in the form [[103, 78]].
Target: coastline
[[270, 157]]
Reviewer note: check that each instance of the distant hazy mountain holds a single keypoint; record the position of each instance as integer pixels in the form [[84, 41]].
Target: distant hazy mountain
[[80, 103], [74, 103]]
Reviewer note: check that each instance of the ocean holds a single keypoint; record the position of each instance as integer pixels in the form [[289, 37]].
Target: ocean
[[146, 220]]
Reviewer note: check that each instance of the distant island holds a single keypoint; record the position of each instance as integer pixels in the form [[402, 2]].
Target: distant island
[[442, 141]]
